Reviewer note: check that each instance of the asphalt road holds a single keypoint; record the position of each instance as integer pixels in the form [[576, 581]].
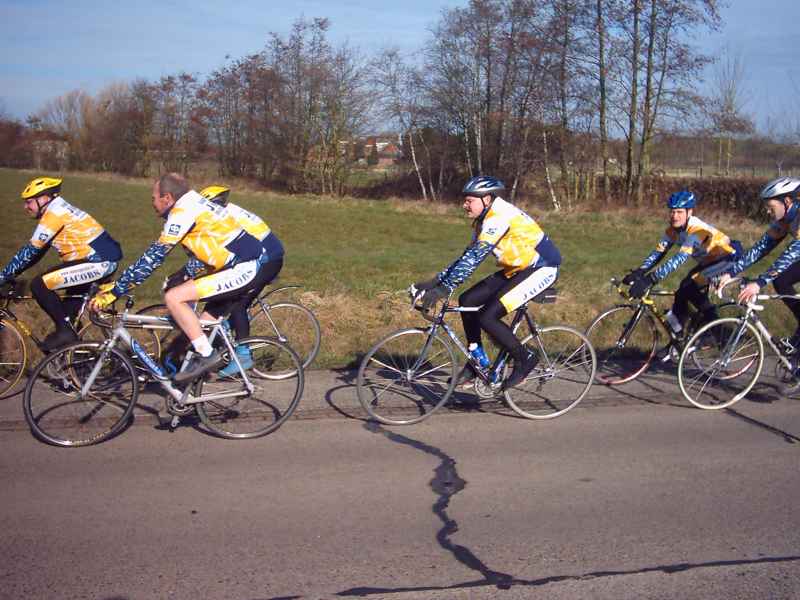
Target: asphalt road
[[632, 495]]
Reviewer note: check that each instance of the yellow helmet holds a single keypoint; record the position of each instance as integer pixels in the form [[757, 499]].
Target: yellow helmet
[[41, 185], [216, 193]]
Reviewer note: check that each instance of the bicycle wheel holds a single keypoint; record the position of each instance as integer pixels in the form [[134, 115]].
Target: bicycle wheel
[[249, 414], [565, 372], [624, 347], [60, 414], [289, 322], [720, 363], [406, 376], [13, 355]]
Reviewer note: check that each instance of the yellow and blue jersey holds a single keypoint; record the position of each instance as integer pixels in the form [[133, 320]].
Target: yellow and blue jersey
[[698, 240], [210, 234], [258, 228], [75, 234], [513, 236], [208, 231], [789, 227], [517, 239]]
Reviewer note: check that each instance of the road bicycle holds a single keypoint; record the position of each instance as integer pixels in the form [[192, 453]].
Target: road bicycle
[[409, 374], [14, 352], [85, 393], [723, 360], [289, 322], [626, 336]]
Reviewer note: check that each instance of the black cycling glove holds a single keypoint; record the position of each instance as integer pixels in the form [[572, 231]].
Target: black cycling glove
[[633, 276], [642, 285], [433, 295]]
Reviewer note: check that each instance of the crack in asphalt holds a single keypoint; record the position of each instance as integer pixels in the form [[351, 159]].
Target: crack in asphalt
[[446, 483], [668, 569]]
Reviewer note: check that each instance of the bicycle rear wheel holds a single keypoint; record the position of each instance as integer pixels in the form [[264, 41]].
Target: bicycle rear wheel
[[291, 323], [565, 372], [406, 376], [267, 407], [60, 414], [721, 363], [624, 348], [13, 355]]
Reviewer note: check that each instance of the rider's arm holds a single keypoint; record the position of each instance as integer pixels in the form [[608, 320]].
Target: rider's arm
[[460, 270], [761, 248], [194, 267], [787, 258], [688, 244], [139, 271], [178, 224], [664, 244], [25, 257]]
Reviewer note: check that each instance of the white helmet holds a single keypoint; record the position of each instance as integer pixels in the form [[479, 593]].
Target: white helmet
[[782, 186]]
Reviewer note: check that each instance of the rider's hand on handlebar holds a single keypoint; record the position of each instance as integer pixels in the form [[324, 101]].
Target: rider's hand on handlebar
[[104, 298], [748, 293], [431, 296], [632, 276]]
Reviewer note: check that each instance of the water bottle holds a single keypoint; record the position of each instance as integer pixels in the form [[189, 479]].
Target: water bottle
[[674, 322], [477, 352]]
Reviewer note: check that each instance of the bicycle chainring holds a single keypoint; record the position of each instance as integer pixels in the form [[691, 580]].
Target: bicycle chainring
[[176, 409], [487, 391]]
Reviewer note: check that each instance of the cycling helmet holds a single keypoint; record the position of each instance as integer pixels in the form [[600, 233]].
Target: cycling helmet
[[682, 199], [41, 185], [782, 186], [482, 185], [216, 193]]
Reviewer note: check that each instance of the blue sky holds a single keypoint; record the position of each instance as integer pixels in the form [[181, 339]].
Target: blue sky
[[49, 47]]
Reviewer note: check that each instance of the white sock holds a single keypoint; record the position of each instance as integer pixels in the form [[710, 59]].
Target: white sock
[[202, 346]]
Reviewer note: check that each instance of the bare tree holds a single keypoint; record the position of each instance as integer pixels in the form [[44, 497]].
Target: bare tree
[[726, 105]]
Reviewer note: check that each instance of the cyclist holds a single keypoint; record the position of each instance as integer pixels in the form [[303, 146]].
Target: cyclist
[[781, 198], [214, 237], [271, 261], [529, 263], [712, 249], [88, 254]]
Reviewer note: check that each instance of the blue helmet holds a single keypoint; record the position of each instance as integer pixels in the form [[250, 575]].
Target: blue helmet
[[682, 199], [482, 185]]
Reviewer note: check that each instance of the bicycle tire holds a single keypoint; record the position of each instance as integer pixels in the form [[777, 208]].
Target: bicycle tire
[[561, 379], [13, 355], [289, 322], [727, 356], [54, 408], [621, 361], [403, 379], [265, 409]]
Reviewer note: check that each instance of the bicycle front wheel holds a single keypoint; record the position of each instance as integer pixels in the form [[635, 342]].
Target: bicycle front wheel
[[625, 342], [721, 363], [61, 413], [291, 323], [406, 376], [562, 377], [234, 412], [13, 355]]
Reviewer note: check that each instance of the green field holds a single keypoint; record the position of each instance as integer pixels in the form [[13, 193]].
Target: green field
[[355, 258]]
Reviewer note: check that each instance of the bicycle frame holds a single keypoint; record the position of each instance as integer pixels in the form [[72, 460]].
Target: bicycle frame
[[489, 375], [751, 315], [183, 398], [645, 304]]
